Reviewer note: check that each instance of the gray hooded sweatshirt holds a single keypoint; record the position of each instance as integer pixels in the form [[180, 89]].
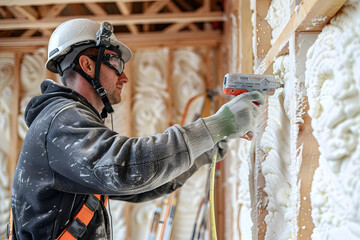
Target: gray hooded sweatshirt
[[69, 153]]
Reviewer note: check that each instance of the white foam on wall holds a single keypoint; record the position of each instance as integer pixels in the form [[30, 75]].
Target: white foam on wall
[[188, 80], [150, 89], [277, 16], [237, 180], [32, 72], [6, 77], [276, 167], [333, 85]]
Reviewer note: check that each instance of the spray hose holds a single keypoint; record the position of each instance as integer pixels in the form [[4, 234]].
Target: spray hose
[[212, 185]]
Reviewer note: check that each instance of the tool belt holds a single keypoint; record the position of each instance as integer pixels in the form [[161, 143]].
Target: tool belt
[[78, 226]]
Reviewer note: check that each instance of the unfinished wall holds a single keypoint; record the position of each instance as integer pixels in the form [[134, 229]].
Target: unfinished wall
[[6, 75], [333, 85], [304, 168]]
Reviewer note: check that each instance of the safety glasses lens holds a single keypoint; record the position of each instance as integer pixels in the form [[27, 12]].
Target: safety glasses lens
[[117, 62]]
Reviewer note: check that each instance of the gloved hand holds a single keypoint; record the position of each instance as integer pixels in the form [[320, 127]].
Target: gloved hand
[[235, 118]]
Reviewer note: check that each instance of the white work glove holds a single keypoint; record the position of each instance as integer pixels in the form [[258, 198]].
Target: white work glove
[[235, 118]]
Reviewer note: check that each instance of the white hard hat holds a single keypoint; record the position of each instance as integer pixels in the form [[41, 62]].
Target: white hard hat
[[74, 36]]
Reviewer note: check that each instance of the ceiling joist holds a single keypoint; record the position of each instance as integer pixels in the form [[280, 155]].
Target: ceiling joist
[[46, 2], [143, 40], [183, 17], [32, 22]]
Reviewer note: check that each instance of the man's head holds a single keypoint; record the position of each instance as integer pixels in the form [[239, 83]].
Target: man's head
[[81, 47], [73, 37]]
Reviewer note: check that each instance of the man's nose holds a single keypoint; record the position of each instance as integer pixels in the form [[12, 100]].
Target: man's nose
[[124, 78]]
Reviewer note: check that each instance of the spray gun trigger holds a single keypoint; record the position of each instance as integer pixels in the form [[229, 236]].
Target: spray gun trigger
[[248, 136]]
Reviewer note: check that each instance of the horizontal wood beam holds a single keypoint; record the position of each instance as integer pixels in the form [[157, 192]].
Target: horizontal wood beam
[[12, 24], [47, 2], [142, 40], [310, 15], [173, 40]]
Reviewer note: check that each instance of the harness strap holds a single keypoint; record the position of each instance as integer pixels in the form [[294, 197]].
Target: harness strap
[[10, 226], [78, 226]]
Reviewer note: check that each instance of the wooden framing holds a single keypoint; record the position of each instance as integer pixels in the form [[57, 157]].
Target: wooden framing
[[140, 41], [159, 22], [306, 144], [183, 17], [309, 15], [169, 88], [129, 99], [45, 2], [262, 33], [245, 38], [126, 12], [15, 102]]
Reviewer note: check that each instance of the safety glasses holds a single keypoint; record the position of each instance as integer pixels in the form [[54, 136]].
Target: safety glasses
[[113, 61]]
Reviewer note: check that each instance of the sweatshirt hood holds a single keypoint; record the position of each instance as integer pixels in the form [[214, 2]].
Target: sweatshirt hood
[[50, 91]]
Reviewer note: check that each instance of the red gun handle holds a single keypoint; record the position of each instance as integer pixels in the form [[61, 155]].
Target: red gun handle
[[248, 136]]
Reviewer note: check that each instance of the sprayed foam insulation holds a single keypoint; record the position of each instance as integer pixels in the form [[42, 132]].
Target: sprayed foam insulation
[[325, 75]]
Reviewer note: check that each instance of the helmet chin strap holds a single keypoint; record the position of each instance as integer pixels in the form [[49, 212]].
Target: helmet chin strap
[[95, 83], [99, 89]]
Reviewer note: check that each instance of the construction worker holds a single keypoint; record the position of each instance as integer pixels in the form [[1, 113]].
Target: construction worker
[[71, 162]]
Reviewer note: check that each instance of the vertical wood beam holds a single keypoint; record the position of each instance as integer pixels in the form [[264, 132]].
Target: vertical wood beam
[[258, 194], [230, 44], [146, 27], [208, 83], [310, 162], [129, 71], [169, 102], [128, 210], [298, 46], [245, 38], [262, 42], [15, 102], [263, 31], [207, 8]]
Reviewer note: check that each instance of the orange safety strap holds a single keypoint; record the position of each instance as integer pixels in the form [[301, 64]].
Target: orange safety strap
[[10, 226], [106, 200], [82, 219]]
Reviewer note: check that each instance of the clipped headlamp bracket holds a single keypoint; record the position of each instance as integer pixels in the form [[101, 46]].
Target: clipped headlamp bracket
[[103, 35]]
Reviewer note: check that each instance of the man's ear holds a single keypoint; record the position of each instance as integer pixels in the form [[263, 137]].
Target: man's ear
[[87, 65]]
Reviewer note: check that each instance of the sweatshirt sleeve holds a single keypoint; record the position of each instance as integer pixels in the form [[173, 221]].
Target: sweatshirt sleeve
[[87, 157], [168, 187]]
